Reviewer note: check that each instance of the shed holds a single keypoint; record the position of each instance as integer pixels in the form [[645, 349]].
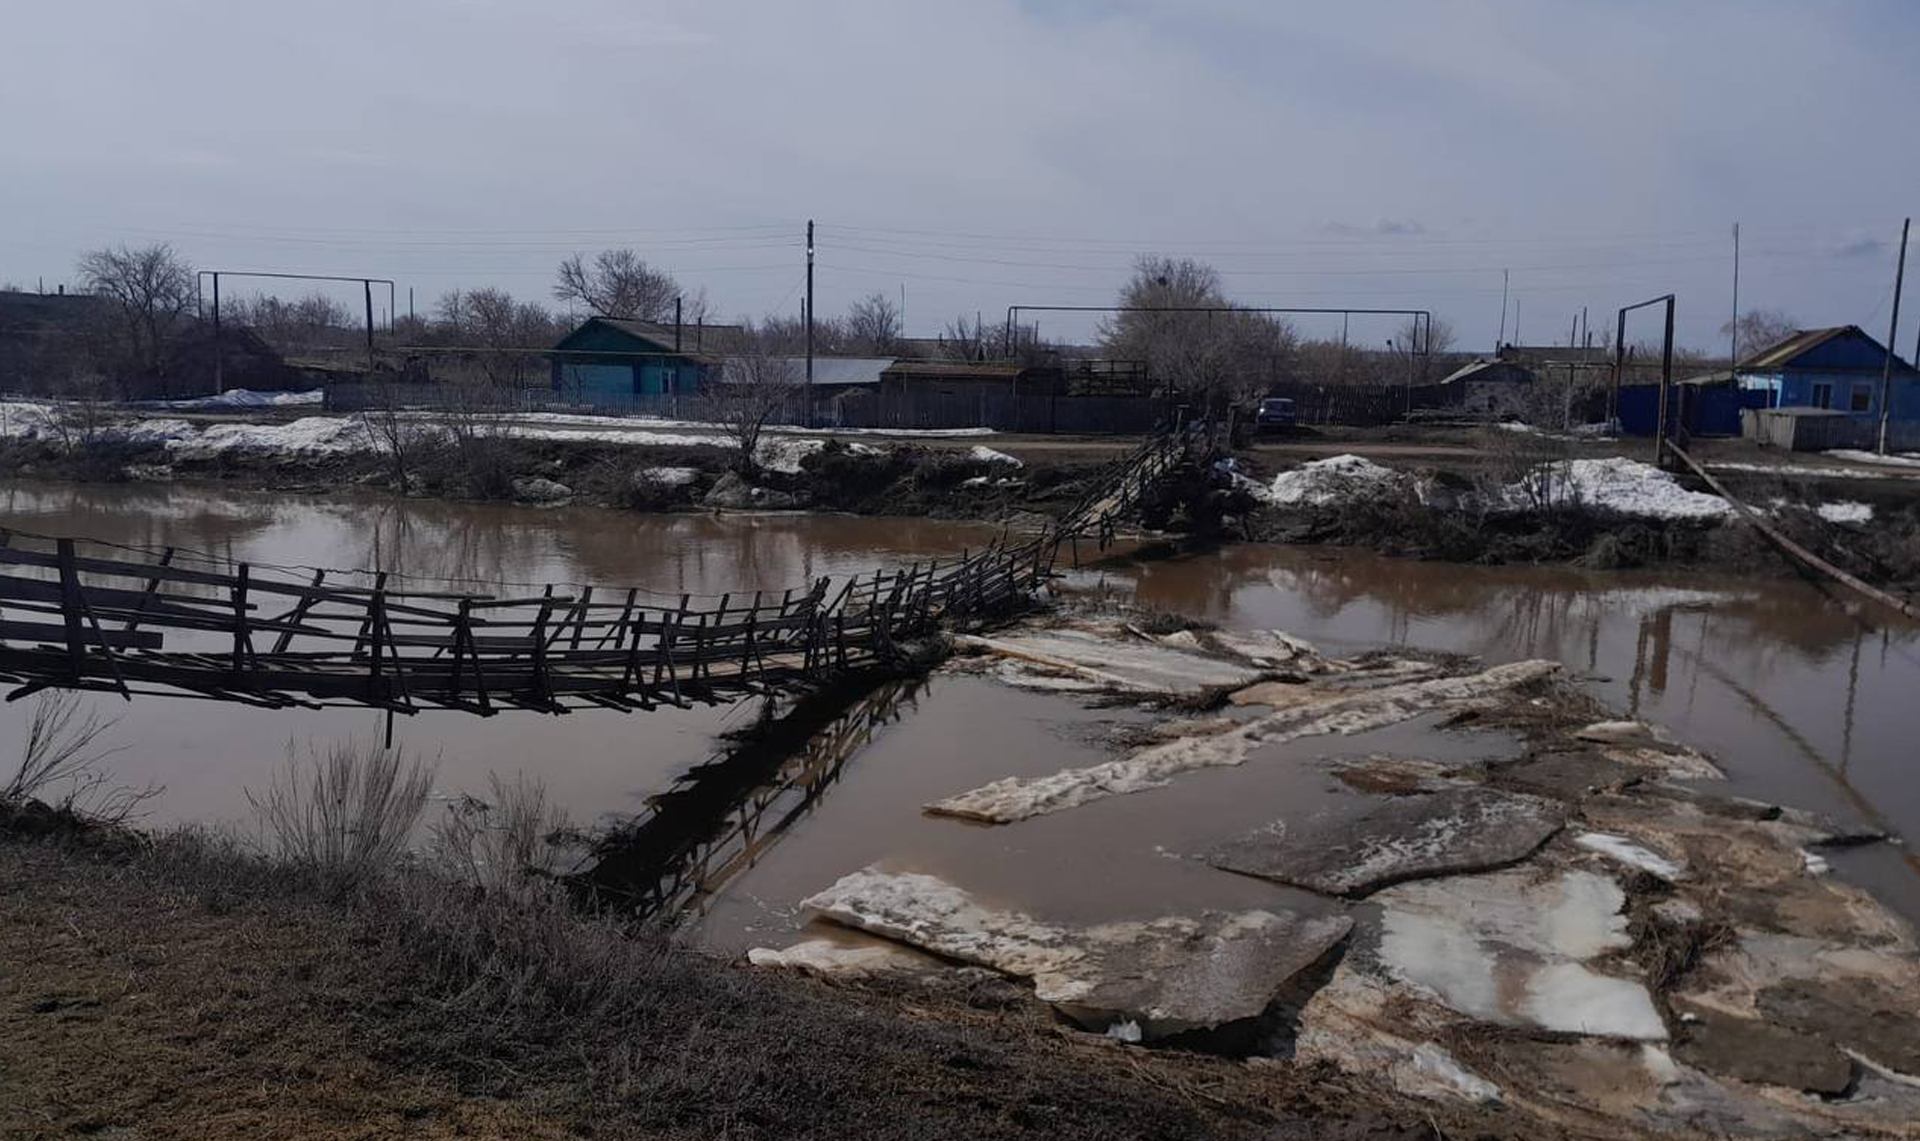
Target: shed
[[1494, 387], [971, 378], [1838, 369]]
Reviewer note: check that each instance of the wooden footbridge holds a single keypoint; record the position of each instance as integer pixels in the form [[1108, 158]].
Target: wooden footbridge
[[84, 615]]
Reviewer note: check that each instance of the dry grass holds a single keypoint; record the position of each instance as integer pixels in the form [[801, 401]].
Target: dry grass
[[200, 990], [507, 845]]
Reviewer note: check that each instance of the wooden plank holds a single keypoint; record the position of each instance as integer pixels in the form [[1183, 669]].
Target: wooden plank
[[1793, 548], [118, 639]]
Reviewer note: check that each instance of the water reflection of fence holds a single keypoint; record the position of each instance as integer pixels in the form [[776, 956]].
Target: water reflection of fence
[[721, 817], [92, 616]]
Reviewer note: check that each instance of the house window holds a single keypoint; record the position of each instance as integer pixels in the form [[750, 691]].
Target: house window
[[666, 380], [1862, 398], [1823, 396]]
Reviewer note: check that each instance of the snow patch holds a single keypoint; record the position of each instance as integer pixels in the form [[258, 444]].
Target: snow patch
[[1620, 485], [1335, 479], [1631, 854], [672, 476], [246, 398], [1854, 455], [1511, 948], [980, 453]]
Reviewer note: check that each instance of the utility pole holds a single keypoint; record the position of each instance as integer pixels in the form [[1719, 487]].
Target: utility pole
[[1733, 330], [410, 316], [809, 317], [219, 358], [1893, 332], [1501, 339], [368, 287]]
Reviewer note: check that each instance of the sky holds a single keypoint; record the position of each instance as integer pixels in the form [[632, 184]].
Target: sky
[[968, 157]]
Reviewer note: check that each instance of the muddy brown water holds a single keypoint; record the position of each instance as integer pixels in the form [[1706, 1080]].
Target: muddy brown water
[[1800, 699]]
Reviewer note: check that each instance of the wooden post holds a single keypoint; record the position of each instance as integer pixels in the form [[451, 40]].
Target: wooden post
[[70, 600]]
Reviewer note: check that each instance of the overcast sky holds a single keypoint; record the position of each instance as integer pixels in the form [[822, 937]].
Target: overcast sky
[[992, 152]]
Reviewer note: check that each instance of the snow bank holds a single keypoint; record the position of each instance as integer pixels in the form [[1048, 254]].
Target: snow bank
[[1332, 480], [246, 398], [1845, 511], [1620, 485], [672, 476]]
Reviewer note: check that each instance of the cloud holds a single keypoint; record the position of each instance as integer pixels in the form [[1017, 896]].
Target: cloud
[[1385, 227], [1856, 244]]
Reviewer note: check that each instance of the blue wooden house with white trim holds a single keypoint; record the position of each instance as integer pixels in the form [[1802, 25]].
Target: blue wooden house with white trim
[[1838, 369], [610, 360]]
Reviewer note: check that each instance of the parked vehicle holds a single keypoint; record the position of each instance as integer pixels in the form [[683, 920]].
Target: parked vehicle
[[1276, 412]]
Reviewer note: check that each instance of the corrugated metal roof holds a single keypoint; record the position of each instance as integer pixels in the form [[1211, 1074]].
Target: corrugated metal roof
[[843, 370], [957, 369], [1778, 356]]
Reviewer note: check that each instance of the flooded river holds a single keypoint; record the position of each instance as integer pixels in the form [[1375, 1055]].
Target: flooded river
[[1799, 699]]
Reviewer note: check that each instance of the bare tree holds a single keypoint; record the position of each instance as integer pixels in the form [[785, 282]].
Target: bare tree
[[755, 387], [1759, 329], [617, 283], [1218, 359], [150, 289], [873, 324], [493, 321], [1428, 336]]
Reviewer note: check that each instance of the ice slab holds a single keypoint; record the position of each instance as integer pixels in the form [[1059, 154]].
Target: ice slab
[[1330, 711], [1349, 850], [1169, 975]]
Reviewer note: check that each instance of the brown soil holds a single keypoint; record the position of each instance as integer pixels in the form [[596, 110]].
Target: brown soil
[[178, 990]]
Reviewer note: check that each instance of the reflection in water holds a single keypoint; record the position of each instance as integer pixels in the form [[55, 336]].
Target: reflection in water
[[721, 817]]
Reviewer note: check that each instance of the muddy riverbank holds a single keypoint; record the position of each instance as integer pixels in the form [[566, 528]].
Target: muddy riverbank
[[1491, 497]]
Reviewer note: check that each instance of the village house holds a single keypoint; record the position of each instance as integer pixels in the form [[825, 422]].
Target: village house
[[1838, 369]]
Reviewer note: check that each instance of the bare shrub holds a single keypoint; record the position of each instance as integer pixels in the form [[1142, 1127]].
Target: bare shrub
[[343, 815], [399, 437], [61, 764], [1527, 470], [756, 388], [506, 845], [483, 447]]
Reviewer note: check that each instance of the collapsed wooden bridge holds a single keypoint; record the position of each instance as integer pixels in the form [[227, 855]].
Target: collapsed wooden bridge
[[78, 614]]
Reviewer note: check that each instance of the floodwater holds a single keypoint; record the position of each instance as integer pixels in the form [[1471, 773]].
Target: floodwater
[[1801, 699]]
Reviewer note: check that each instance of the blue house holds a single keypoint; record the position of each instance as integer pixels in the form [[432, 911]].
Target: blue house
[[611, 360], [1837, 369]]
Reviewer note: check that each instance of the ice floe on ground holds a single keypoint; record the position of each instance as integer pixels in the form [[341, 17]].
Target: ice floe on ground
[[1165, 976]]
